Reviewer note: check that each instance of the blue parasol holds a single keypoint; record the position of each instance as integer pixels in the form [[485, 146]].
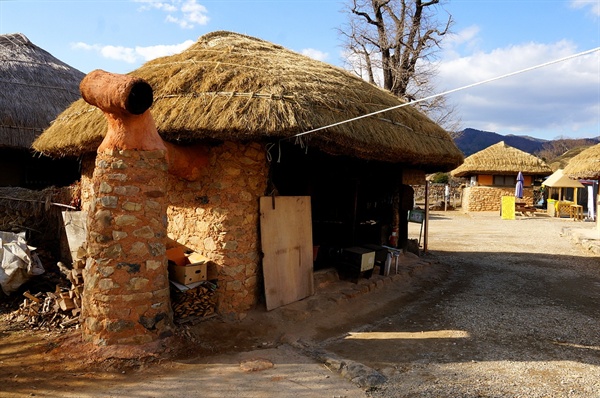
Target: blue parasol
[[519, 186]]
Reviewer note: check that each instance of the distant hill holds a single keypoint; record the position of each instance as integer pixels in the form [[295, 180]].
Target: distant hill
[[561, 161], [470, 141]]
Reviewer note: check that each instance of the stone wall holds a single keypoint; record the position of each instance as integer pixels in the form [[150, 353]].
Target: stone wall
[[126, 296], [436, 193], [483, 198], [218, 216], [88, 163]]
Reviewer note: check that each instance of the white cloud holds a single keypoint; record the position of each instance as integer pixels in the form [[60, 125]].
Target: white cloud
[[159, 5], [315, 54], [195, 12], [118, 53], [468, 36], [185, 13], [151, 52], [593, 4], [132, 55], [561, 97], [466, 40]]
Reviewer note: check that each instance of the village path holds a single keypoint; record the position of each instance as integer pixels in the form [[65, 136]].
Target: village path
[[496, 308], [519, 316]]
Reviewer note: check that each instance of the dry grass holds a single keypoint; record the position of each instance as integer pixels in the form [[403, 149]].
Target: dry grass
[[586, 165], [229, 86], [502, 159], [34, 88]]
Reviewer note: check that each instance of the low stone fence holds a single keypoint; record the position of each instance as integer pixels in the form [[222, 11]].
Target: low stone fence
[[480, 198], [436, 194]]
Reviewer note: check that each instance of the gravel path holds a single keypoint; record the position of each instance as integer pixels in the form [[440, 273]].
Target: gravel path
[[519, 317]]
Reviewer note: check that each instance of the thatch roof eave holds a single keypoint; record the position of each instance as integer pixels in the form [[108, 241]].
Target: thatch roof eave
[[34, 88], [586, 165], [229, 86], [502, 159]]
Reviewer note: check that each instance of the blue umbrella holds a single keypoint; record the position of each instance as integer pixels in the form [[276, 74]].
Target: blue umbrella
[[519, 186]]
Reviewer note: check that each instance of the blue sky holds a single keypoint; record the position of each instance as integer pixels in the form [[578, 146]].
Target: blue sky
[[491, 38]]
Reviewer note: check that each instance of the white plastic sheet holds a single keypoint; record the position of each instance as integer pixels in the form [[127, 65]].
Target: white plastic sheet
[[18, 263]]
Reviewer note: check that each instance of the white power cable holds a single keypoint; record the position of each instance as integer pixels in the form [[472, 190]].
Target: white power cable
[[449, 92]]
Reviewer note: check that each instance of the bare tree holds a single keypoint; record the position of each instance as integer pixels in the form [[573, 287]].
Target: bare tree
[[393, 43]]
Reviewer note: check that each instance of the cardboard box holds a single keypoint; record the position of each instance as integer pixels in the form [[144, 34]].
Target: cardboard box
[[177, 255], [186, 268], [187, 274]]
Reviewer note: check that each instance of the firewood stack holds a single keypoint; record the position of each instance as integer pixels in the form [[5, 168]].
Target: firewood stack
[[53, 310], [198, 301]]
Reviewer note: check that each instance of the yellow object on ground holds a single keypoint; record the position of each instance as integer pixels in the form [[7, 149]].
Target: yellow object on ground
[[508, 208]]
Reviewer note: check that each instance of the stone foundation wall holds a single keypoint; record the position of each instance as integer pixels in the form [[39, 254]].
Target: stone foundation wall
[[482, 198]]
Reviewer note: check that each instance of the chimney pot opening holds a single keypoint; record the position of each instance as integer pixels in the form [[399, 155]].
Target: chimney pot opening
[[140, 98]]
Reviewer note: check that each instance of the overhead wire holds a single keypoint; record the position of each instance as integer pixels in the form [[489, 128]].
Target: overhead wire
[[447, 92]]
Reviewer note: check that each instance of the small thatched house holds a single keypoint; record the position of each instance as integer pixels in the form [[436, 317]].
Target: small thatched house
[[493, 173], [34, 88], [238, 101], [586, 166]]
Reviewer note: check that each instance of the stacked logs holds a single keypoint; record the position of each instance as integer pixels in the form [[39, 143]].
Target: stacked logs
[[52, 310], [61, 309], [195, 302]]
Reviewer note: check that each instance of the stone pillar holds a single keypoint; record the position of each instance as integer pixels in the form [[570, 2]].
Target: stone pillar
[[126, 288], [126, 295]]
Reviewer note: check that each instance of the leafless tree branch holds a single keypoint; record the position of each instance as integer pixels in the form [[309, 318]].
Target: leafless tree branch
[[403, 35]]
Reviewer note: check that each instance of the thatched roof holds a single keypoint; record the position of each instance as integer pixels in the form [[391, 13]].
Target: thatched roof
[[563, 160], [34, 88], [502, 159], [586, 165], [229, 86], [559, 180]]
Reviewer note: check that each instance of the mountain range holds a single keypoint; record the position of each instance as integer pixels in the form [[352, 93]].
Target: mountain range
[[471, 140]]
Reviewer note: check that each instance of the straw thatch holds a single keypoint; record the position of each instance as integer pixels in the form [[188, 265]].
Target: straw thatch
[[502, 159], [34, 88], [229, 86], [586, 165]]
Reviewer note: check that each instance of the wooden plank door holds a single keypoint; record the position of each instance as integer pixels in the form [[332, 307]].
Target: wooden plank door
[[286, 239]]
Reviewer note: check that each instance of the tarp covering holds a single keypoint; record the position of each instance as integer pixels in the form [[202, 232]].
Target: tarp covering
[[560, 180], [18, 263]]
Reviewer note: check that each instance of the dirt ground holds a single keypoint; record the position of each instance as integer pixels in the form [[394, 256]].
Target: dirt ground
[[42, 363]]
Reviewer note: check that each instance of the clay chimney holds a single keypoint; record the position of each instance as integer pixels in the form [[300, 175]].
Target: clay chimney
[[126, 297]]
